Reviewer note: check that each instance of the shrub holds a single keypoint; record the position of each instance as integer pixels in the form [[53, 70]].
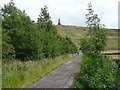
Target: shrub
[[7, 47], [97, 72], [29, 39], [94, 43]]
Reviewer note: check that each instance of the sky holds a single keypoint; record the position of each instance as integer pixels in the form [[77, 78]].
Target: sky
[[71, 12]]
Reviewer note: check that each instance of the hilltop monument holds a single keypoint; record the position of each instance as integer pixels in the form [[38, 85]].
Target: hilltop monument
[[59, 22]]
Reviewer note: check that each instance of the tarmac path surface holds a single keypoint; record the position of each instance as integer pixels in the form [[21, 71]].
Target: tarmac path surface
[[62, 77]]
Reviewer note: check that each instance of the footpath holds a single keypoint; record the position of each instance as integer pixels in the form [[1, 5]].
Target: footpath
[[63, 77]]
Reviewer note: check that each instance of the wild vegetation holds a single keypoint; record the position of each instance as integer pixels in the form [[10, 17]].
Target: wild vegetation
[[31, 50], [17, 74], [76, 33], [24, 40], [97, 70]]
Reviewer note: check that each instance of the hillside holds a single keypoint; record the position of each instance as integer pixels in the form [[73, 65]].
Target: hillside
[[76, 33]]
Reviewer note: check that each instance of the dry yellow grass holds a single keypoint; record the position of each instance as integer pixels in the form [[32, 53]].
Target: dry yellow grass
[[76, 33], [114, 56]]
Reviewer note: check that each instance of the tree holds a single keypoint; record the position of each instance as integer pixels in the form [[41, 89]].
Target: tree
[[44, 21], [92, 19], [32, 40], [97, 71], [7, 47], [19, 28], [95, 41]]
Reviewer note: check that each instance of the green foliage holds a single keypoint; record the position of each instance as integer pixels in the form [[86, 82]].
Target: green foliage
[[32, 40], [22, 74], [71, 46], [7, 47], [95, 41], [97, 72], [44, 21]]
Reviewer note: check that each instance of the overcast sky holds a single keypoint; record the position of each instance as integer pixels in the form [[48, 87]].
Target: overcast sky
[[71, 12]]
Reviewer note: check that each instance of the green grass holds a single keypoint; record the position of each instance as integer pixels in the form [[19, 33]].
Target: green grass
[[76, 33], [18, 74], [0, 74]]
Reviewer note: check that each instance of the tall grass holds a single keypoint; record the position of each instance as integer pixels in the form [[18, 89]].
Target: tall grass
[[0, 74], [17, 74]]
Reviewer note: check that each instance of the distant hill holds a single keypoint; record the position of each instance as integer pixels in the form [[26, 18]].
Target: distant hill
[[76, 33]]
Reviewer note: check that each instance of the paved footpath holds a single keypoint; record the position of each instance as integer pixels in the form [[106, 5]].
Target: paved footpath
[[62, 77]]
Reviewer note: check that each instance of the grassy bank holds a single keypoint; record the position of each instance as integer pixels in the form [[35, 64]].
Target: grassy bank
[[17, 74], [76, 33], [0, 74]]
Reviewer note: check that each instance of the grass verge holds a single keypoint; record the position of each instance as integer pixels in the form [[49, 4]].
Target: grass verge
[[0, 74], [18, 74]]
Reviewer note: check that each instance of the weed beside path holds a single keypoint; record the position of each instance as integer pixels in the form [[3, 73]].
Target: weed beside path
[[17, 74], [63, 77]]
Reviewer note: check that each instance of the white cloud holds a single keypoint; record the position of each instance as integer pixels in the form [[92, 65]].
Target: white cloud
[[71, 12]]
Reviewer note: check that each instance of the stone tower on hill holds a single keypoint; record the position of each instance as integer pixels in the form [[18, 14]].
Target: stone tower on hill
[[59, 22]]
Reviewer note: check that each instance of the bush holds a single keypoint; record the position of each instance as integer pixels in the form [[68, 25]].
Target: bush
[[97, 72], [32, 40], [7, 47], [94, 43]]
